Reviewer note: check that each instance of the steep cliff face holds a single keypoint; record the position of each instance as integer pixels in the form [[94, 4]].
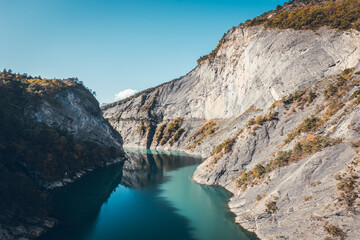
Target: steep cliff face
[[51, 133], [254, 67], [275, 112], [76, 111], [296, 174]]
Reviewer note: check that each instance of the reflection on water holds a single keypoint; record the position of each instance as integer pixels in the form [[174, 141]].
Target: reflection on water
[[145, 169], [154, 198]]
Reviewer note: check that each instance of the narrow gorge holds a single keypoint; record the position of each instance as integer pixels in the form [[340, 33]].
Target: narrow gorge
[[274, 109], [261, 140]]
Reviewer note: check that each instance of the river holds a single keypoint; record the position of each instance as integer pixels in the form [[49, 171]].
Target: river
[[158, 201]]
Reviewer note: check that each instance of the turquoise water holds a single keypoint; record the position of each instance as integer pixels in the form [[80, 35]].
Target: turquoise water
[[158, 202]]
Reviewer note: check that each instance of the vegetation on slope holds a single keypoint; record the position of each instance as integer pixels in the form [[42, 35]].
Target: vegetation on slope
[[168, 132], [305, 147], [348, 184], [340, 14], [335, 97], [308, 125], [227, 144], [205, 130]]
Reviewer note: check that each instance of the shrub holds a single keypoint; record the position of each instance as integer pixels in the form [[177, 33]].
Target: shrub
[[225, 146], [335, 231], [281, 160], [346, 185], [141, 128], [334, 106], [159, 133], [348, 71], [271, 207], [303, 148], [177, 136], [261, 119], [245, 178], [258, 198], [275, 104], [251, 122], [150, 103], [307, 198], [308, 125], [299, 97], [355, 94], [259, 170], [170, 129], [330, 91], [271, 116], [311, 97], [314, 144]]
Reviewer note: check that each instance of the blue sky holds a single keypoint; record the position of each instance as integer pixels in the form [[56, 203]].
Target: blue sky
[[116, 45]]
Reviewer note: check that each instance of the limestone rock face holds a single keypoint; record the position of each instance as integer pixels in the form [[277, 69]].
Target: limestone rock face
[[253, 74], [254, 66], [77, 111], [307, 193]]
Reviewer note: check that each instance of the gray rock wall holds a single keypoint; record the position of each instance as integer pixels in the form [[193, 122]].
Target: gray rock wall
[[253, 68], [77, 111]]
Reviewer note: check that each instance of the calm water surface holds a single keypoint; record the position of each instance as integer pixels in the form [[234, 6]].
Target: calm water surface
[[158, 201]]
